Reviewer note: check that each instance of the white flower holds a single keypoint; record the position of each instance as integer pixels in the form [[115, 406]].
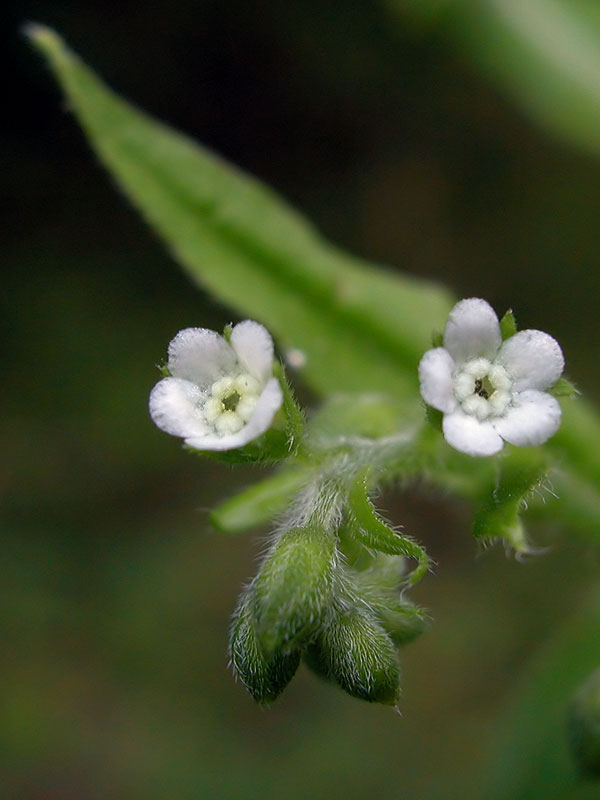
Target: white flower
[[491, 391], [222, 394]]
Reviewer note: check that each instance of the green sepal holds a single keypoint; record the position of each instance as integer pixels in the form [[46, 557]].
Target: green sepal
[[373, 533], [508, 325], [563, 388], [265, 677], [261, 502], [379, 586], [293, 588], [164, 370], [294, 416], [269, 448], [437, 339], [383, 577], [354, 650], [519, 474], [404, 621], [434, 417], [584, 726]]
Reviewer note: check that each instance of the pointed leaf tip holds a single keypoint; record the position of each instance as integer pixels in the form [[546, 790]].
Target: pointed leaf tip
[[42, 36]]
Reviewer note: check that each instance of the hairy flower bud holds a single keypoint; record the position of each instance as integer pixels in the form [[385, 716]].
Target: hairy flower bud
[[354, 651], [264, 677], [294, 587]]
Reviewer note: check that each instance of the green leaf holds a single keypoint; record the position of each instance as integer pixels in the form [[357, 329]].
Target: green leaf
[[362, 328], [258, 505], [545, 53], [293, 589], [359, 326]]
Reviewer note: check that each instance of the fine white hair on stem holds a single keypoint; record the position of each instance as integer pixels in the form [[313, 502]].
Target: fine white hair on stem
[[319, 503]]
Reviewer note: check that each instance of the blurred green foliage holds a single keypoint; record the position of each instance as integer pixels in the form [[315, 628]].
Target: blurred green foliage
[[117, 595], [545, 54]]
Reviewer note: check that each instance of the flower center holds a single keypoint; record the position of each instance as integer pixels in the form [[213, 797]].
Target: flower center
[[482, 388], [231, 402]]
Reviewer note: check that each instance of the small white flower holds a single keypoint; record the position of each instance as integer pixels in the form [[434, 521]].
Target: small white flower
[[491, 391], [222, 394]]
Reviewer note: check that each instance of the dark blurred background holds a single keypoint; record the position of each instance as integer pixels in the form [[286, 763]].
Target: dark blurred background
[[116, 592]]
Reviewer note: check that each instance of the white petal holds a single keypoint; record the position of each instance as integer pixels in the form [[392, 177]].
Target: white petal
[[469, 435], [532, 419], [200, 355], [472, 330], [254, 348], [267, 406], [175, 407], [533, 359], [435, 374]]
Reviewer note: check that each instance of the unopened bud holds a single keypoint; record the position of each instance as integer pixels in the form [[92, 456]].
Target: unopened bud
[[264, 677], [354, 651], [293, 588]]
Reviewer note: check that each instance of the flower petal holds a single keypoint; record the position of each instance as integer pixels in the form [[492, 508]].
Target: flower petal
[[469, 435], [254, 348], [435, 374], [174, 407], [531, 420], [200, 355], [472, 330], [267, 406], [533, 359]]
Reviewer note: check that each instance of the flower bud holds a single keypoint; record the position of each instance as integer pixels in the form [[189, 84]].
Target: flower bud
[[264, 677], [293, 588], [354, 651]]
